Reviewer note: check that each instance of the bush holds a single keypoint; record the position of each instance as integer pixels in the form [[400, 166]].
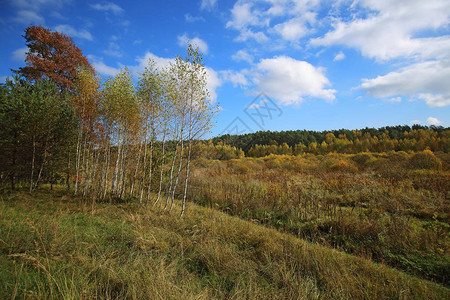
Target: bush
[[425, 160], [342, 166], [362, 159], [399, 156]]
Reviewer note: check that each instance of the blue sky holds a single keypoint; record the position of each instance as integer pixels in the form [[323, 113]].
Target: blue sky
[[272, 65]]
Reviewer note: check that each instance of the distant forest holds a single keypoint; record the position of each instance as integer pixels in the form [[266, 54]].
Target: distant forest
[[389, 138]]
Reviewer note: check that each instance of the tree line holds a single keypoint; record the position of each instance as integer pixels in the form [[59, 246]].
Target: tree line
[[105, 139], [390, 138]]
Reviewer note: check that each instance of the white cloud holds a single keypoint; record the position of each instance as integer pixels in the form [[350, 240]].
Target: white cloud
[[339, 56], [19, 54], [289, 19], [208, 4], [426, 80], [213, 82], [196, 42], [435, 100], [237, 78], [103, 69], [108, 7], [28, 17], [385, 29], [70, 31], [3, 79], [433, 121], [292, 30], [242, 55], [243, 16], [191, 19], [290, 81], [161, 62]]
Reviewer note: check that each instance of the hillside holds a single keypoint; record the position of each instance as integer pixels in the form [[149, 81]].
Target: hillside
[[56, 246]]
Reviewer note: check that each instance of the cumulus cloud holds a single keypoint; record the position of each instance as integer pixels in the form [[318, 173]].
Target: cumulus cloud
[[213, 82], [433, 121], [19, 54], [243, 16], [290, 81], [103, 69], [425, 80], [108, 7], [196, 42], [339, 56], [69, 30], [242, 55], [161, 62], [292, 30]]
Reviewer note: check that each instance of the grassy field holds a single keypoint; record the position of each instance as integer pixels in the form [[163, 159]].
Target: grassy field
[[54, 246], [390, 208]]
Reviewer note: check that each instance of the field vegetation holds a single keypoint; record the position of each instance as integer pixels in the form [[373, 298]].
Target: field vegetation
[[55, 246], [391, 208]]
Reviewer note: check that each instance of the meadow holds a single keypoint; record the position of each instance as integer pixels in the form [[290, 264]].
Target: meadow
[[55, 246], [391, 208]]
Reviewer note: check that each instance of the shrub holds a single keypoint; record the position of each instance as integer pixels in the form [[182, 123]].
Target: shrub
[[399, 156], [342, 166], [362, 158], [425, 160]]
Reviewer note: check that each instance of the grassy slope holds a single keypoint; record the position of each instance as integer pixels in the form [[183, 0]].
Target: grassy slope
[[53, 246], [360, 211]]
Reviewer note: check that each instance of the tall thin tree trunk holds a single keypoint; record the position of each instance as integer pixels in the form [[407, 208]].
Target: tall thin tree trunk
[[122, 175], [136, 169], [178, 174], [85, 166], [144, 169], [77, 162], [169, 187], [108, 159], [116, 169], [162, 165], [150, 173], [187, 174]]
